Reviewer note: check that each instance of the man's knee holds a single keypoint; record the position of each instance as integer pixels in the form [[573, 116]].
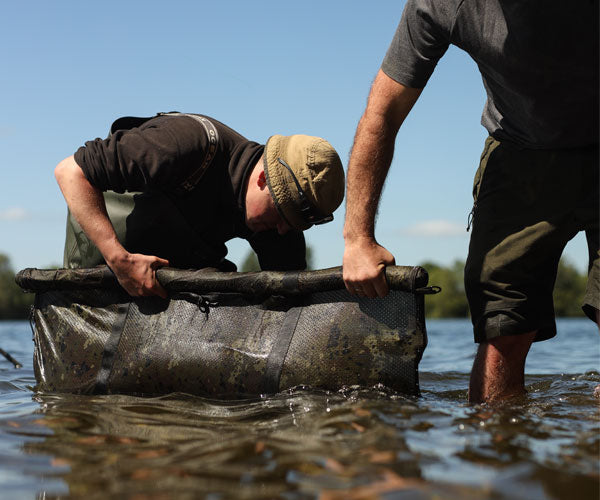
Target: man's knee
[[511, 347], [512, 341]]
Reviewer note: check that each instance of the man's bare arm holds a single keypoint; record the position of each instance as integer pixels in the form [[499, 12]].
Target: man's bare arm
[[135, 272], [364, 259]]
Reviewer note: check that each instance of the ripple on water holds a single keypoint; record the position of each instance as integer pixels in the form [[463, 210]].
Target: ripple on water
[[305, 443]]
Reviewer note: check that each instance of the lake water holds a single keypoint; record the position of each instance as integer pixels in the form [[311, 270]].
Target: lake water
[[354, 444]]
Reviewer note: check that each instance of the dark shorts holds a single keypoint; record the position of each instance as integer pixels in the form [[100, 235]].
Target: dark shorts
[[528, 205]]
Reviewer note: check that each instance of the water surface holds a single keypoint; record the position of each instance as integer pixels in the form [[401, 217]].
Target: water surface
[[305, 443]]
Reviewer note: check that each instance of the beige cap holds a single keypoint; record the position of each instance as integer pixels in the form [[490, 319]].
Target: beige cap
[[318, 170]]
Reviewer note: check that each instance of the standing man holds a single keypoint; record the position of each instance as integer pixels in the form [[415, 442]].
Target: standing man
[[537, 183], [197, 184]]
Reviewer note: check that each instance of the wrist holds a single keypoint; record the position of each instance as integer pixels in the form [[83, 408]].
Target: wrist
[[358, 227], [115, 255], [358, 238]]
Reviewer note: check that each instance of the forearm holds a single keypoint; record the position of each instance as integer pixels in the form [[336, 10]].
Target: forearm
[[136, 272], [86, 204], [388, 105], [370, 160]]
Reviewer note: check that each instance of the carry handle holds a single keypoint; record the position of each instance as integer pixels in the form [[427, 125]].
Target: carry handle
[[404, 278]]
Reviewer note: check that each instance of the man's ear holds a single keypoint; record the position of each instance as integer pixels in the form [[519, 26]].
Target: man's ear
[[262, 180]]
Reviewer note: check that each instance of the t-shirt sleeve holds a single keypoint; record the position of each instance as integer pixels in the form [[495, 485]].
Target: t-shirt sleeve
[[277, 252], [159, 155], [421, 39]]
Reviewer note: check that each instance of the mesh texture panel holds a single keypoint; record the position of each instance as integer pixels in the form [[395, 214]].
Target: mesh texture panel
[[104, 341], [341, 340]]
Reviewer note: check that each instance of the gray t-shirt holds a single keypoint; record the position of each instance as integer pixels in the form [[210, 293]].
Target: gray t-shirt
[[538, 61]]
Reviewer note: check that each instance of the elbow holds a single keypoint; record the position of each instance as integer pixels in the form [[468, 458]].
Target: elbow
[[60, 171], [65, 169], [390, 102], [380, 125]]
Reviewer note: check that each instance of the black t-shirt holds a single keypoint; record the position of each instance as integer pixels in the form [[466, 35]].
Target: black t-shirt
[[186, 223], [538, 61]]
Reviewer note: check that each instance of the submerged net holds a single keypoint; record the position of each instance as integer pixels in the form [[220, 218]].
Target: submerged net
[[224, 334]]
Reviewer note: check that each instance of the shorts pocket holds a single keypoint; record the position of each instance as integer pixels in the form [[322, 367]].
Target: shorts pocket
[[490, 145]]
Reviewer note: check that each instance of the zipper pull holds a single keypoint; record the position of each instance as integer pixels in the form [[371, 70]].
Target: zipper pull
[[470, 217]]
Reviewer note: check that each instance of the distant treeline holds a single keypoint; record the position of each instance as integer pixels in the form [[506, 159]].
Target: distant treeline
[[14, 303], [451, 303], [569, 291]]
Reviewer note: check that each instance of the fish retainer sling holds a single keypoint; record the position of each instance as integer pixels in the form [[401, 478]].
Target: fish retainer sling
[[224, 334]]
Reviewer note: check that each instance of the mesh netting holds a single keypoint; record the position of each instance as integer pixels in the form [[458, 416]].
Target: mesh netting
[[226, 344], [343, 340]]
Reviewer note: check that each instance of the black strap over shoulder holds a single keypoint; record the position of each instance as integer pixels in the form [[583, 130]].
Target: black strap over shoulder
[[129, 122], [213, 141]]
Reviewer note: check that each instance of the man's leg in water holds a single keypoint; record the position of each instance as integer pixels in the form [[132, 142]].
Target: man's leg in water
[[499, 368]]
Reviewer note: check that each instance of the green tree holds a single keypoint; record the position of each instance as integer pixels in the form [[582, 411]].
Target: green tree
[[250, 261], [14, 303], [451, 302], [569, 290]]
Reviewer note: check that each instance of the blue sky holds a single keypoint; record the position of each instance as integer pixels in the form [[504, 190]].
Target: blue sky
[[70, 68]]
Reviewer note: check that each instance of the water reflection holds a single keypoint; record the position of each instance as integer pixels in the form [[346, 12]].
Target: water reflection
[[302, 441], [352, 444], [358, 443]]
